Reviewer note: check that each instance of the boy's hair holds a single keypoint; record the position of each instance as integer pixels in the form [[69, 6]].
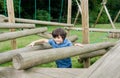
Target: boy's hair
[[59, 32]]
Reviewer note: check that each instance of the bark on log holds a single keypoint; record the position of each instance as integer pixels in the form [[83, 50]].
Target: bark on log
[[17, 34], [3, 19], [8, 72], [16, 25], [27, 60], [7, 56]]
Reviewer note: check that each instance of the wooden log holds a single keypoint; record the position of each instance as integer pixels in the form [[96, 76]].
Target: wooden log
[[13, 35], [45, 35], [93, 54], [116, 16], [3, 18], [7, 56], [8, 72], [94, 29], [107, 66], [16, 25], [41, 22], [27, 60], [114, 35]]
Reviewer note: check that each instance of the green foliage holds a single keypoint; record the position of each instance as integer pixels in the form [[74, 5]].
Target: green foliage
[[43, 15], [104, 18], [28, 9]]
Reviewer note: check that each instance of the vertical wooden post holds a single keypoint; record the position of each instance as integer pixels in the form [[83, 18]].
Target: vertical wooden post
[[85, 26], [69, 11], [11, 19]]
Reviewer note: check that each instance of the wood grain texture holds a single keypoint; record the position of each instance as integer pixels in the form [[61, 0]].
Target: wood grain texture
[[27, 60], [41, 73]]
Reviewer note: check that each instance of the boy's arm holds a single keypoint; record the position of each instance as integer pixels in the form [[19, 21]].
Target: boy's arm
[[40, 41], [78, 44]]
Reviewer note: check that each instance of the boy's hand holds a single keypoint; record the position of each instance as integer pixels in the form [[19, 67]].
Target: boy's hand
[[78, 44], [31, 44]]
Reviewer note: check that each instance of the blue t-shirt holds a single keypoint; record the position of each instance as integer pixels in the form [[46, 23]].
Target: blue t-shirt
[[63, 63]]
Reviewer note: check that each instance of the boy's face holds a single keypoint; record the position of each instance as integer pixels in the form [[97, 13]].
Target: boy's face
[[58, 39]]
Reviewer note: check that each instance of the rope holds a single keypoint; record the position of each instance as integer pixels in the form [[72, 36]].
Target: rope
[[61, 10]]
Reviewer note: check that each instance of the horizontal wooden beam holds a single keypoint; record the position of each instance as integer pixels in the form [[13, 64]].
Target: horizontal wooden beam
[[18, 34], [27, 60], [4, 18], [16, 25], [95, 29], [92, 54]]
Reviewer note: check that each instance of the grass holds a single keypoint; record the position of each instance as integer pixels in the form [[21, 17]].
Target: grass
[[95, 37]]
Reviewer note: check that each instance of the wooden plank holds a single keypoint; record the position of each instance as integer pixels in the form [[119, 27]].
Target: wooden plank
[[41, 73], [7, 56], [16, 25], [18, 34], [21, 60]]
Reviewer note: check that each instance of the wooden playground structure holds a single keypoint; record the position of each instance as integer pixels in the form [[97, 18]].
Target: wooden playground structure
[[24, 59]]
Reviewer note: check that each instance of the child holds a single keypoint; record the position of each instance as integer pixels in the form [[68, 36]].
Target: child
[[59, 40]]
